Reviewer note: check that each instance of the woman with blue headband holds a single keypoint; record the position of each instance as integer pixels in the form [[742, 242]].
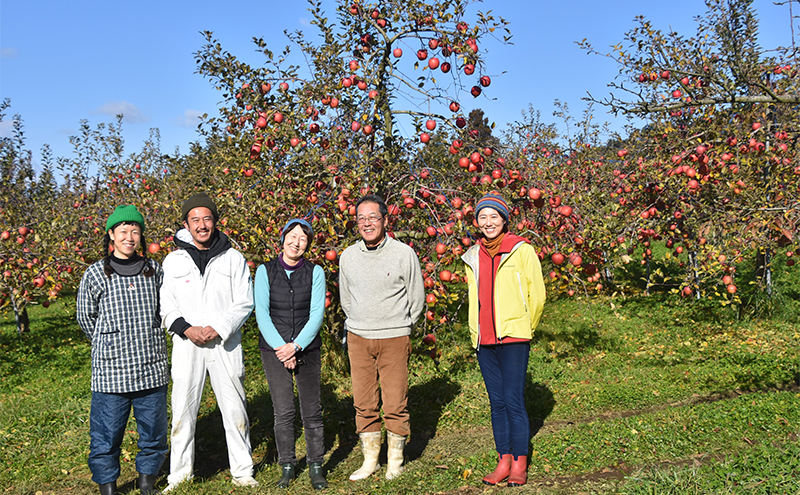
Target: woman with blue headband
[[290, 305]]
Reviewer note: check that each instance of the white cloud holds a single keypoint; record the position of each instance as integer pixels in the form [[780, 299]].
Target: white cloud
[[191, 118], [131, 113], [304, 21], [8, 52]]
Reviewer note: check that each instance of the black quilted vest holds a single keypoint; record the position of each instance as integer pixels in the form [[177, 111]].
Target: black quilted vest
[[289, 301]]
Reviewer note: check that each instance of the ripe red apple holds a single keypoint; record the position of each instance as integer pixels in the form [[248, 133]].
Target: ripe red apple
[[367, 130], [557, 258], [331, 255], [445, 276], [353, 64], [283, 86], [23, 231], [469, 69], [445, 67], [430, 125], [153, 248], [454, 106], [429, 339], [424, 137], [249, 172], [38, 282], [485, 81], [430, 299], [433, 63], [5, 235], [278, 117], [677, 93], [355, 126], [476, 91], [422, 54], [461, 122], [731, 289], [440, 248], [397, 52], [566, 211]]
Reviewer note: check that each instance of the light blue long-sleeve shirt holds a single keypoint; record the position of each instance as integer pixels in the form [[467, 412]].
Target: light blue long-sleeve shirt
[[315, 315]]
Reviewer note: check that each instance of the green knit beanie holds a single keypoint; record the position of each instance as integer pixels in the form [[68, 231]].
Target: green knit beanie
[[125, 213]]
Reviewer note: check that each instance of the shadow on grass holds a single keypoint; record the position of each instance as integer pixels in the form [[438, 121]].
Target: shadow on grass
[[339, 418], [539, 402], [211, 451], [44, 347], [426, 402]]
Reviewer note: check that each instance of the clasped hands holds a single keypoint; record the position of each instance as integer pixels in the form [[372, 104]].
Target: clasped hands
[[286, 355], [201, 335]]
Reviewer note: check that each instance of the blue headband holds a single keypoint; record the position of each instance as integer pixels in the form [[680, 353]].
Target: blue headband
[[295, 221]]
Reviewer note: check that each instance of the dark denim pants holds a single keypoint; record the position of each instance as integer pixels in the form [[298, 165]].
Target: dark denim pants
[[281, 383], [108, 418], [504, 368]]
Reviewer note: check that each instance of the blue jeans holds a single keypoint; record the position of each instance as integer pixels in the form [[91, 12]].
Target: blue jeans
[[108, 419], [504, 368]]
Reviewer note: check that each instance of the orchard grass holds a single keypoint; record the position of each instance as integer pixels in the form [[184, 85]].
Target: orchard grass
[[637, 395]]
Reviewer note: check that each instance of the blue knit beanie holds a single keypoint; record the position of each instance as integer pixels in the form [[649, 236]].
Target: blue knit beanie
[[495, 201], [292, 223]]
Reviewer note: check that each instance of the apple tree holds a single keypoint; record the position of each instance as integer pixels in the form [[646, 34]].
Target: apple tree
[[717, 148], [305, 135]]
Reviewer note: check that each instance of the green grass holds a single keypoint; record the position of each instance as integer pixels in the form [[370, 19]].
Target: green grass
[[633, 395]]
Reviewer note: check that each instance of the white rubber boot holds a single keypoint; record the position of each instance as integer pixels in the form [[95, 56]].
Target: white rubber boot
[[394, 455], [370, 447]]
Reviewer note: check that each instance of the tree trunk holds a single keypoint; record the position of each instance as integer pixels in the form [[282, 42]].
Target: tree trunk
[[23, 322]]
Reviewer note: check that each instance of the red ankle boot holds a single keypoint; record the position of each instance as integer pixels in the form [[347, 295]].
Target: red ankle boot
[[519, 471], [501, 471]]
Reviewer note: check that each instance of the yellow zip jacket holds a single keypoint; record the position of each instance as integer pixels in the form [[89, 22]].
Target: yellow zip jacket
[[519, 292]]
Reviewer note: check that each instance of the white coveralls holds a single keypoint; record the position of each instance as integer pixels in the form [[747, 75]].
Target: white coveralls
[[221, 298]]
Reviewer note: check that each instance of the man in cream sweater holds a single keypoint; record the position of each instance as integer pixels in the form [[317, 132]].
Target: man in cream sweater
[[383, 295]]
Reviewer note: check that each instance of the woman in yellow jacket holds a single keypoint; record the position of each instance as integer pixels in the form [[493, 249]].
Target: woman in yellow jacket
[[506, 299]]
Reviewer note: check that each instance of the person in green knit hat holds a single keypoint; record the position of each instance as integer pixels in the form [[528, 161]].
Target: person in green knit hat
[[118, 310]]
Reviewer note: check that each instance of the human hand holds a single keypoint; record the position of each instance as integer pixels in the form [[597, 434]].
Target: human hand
[[197, 335], [210, 333], [290, 363], [285, 352]]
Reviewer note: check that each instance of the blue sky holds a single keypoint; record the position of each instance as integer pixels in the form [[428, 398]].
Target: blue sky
[[61, 62]]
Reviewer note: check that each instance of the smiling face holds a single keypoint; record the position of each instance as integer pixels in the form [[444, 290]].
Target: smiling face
[[371, 224], [295, 243], [490, 222], [201, 224], [126, 238]]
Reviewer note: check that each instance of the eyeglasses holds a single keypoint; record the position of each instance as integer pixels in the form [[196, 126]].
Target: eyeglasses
[[370, 219]]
